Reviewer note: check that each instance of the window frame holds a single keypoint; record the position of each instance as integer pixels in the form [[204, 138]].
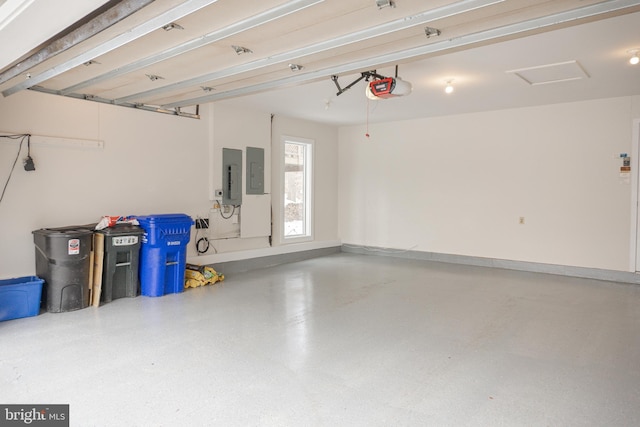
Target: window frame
[[308, 189]]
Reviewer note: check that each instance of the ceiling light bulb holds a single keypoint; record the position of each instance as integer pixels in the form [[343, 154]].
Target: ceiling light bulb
[[449, 87], [634, 60]]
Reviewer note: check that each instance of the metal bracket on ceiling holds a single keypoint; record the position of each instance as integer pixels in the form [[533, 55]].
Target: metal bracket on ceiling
[[172, 26], [431, 32], [366, 75]]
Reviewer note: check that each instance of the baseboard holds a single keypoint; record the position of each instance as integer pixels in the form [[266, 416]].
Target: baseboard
[[261, 252], [562, 270], [264, 261], [244, 261]]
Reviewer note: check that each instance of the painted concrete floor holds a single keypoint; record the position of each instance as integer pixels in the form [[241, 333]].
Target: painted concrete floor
[[343, 340]]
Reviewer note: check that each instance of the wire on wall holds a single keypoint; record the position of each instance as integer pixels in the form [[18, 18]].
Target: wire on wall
[[232, 212], [271, 145], [28, 161], [202, 243]]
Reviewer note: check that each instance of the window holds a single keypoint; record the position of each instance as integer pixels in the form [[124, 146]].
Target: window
[[297, 188]]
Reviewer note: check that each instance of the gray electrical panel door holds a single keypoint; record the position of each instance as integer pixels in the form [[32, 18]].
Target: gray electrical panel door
[[255, 170], [231, 176]]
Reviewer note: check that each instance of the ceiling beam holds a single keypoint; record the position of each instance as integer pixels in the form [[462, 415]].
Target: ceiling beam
[[491, 35], [358, 36], [155, 109], [101, 22], [186, 8], [236, 28]]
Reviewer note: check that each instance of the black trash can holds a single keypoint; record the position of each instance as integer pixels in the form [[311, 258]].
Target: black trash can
[[121, 262], [63, 260]]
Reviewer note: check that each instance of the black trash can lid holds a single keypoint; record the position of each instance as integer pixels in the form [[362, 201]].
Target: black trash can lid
[[121, 229], [69, 231]]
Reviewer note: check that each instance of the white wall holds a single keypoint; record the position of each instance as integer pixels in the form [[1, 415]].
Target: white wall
[[151, 163], [454, 184], [238, 129], [459, 184]]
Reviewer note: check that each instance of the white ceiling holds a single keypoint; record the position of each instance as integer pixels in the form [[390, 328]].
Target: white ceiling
[[480, 78], [475, 51]]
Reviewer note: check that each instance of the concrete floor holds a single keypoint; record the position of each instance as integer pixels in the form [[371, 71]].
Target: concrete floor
[[343, 340]]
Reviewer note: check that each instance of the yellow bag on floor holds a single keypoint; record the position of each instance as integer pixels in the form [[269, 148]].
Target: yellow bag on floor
[[199, 275]]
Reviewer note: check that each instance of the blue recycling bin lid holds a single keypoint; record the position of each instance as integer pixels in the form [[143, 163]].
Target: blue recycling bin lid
[[164, 217], [166, 229]]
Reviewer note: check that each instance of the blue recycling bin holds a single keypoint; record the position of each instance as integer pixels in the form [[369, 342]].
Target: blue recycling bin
[[163, 254]]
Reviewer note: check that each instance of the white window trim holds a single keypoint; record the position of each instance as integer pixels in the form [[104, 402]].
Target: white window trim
[[308, 190]]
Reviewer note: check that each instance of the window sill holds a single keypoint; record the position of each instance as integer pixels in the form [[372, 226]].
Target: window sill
[[301, 239]]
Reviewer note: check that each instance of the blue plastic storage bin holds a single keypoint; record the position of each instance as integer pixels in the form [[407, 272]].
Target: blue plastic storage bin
[[163, 254], [20, 297]]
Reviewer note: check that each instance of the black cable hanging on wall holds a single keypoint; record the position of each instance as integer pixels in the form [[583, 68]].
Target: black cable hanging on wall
[[28, 161]]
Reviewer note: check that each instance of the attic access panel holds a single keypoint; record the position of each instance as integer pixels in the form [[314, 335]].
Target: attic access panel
[[551, 73]]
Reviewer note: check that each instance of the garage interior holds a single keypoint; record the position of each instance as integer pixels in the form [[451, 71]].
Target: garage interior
[[468, 250]]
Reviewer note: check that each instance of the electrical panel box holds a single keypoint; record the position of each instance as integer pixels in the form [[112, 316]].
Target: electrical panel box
[[231, 176], [255, 170]]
